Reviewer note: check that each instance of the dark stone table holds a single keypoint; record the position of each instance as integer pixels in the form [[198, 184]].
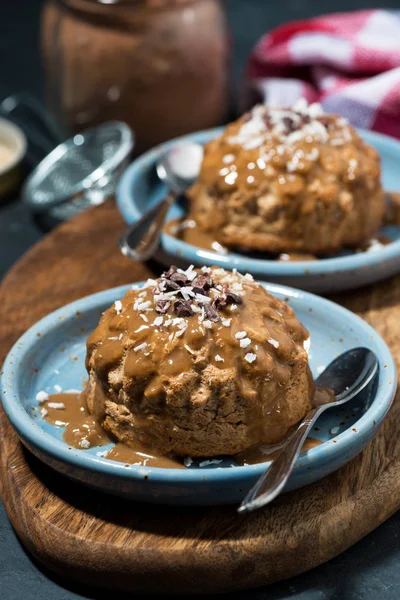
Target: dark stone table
[[369, 570]]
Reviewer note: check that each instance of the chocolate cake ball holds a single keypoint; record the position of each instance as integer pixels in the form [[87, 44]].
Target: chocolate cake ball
[[289, 180], [200, 363]]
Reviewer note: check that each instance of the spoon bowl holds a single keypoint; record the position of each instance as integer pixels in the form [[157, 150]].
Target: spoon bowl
[[179, 166]]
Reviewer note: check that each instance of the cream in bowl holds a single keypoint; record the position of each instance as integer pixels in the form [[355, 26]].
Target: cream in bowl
[[13, 146]]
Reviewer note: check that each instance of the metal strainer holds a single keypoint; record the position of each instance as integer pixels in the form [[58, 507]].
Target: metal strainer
[[79, 172]]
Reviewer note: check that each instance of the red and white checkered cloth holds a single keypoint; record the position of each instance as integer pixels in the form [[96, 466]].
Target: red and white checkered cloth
[[349, 62]]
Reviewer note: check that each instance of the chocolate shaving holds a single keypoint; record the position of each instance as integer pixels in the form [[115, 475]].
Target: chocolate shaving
[[168, 274], [304, 119], [202, 284], [182, 308], [179, 278], [226, 299], [267, 120], [220, 302], [172, 280], [232, 298], [326, 120], [210, 312], [246, 117], [162, 306], [289, 125], [172, 286], [199, 290]]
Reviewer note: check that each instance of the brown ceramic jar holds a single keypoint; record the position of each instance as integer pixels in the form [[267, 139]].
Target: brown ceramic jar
[[162, 66]]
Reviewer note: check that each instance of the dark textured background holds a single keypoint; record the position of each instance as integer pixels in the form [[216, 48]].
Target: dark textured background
[[368, 571]]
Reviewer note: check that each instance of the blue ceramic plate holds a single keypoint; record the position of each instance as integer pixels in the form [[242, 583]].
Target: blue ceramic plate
[[140, 188], [52, 353]]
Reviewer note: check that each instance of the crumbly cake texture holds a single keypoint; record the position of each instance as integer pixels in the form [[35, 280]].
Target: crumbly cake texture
[[282, 180], [199, 363]]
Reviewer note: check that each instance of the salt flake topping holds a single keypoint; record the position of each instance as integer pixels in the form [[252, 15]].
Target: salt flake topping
[[56, 405], [141, 328], [190, 273], [142, 305], [42, 396], [149, 283], [288, 126], [245, 342], [273, 343], [250, 357], [118, 306], [212, 461], [240, 335], [140, 347], [181, 330]]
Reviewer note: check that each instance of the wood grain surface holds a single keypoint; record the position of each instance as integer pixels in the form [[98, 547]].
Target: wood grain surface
[[109, 542]]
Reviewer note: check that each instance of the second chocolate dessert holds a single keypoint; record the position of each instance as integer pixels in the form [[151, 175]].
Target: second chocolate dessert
[[289, 180]]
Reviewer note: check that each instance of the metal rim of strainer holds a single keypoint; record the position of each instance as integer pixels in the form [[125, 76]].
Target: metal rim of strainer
[[108, 166]]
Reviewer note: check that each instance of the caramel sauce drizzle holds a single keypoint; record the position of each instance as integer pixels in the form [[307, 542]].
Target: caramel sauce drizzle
[[82, 430]]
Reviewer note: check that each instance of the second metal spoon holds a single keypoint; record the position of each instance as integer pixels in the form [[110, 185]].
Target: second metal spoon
[[178, 168], [347, 376]]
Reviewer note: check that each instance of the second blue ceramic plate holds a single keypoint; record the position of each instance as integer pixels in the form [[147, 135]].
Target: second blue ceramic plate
[[52, 354], [140, 188]]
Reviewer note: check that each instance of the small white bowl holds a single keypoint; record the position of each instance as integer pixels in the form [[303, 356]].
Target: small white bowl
[[13, 147]]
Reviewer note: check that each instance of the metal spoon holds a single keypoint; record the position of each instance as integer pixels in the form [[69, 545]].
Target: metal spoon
[[178, 167], [347, 376]]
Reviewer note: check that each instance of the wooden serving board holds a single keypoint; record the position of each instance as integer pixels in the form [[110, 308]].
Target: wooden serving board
[[108, 542]]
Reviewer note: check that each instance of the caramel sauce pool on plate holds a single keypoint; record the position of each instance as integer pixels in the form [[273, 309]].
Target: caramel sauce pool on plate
[[82, 431], [187, 230]]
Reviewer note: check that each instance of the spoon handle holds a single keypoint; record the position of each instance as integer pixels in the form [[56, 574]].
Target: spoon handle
[[140, 241], [275, 477]]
